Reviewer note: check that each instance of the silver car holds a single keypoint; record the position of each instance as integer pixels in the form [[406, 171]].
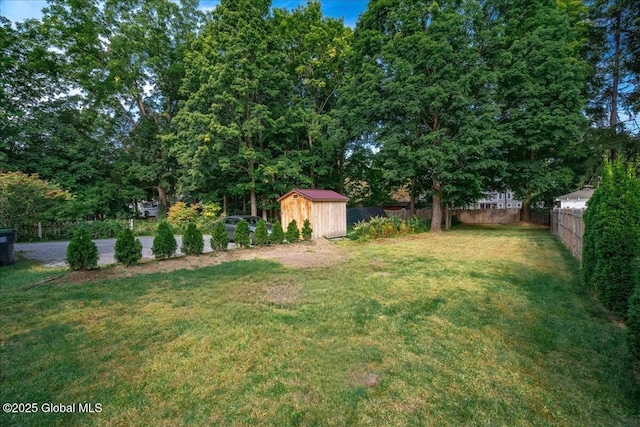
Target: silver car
[[232, 221]]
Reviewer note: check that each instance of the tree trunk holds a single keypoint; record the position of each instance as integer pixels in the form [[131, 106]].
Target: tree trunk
[[526, 210], [254, 204], [224, 204], [436, 216], [162, 198], [412, 199], [447, 216]]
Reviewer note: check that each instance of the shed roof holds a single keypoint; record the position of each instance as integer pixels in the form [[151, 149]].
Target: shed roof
[[584, 194], [317, 195]]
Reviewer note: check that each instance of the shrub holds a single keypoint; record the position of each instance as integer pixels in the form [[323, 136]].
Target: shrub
[[128, 249], [612, 237], [164, 243], [261, 235], [307, 231], [209, 212], [82, 253], [192, 241], [180, 215], [277, 233], [633, 316], [293, 232], [242, 234], [219, 237], [381, 227]]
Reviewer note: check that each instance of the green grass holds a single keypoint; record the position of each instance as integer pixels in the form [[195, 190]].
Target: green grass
[[477, 326]]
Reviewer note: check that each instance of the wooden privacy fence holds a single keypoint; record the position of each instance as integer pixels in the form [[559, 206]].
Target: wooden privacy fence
[[568, 225], [478, 216]]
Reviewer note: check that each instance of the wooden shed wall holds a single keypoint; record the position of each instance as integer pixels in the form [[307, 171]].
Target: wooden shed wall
[[328, 219]]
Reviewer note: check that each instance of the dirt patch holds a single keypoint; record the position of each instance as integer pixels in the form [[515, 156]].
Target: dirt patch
[[313, 254]]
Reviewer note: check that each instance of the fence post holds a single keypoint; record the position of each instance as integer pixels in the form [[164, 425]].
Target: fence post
[[39, 230]]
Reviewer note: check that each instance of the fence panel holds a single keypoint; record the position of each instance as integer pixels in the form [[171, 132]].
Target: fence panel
[[568, 225]]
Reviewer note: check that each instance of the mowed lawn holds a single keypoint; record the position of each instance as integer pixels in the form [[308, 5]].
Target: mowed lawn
[[482, 326]]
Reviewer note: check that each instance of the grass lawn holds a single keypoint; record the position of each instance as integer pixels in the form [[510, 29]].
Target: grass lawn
[[477, 326]]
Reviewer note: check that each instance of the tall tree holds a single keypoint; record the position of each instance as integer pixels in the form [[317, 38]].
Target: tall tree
[[316, 50], [541, 91], [233, 78], [125, 56], [422, 83]]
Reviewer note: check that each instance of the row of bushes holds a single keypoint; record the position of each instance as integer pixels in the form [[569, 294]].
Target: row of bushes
[[611, 251], [381, 227], [82, 253]]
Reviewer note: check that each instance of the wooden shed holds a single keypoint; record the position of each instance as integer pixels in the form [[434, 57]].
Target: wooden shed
[[325, 209]]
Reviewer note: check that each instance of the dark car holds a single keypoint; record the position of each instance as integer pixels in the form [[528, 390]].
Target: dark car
[[232, 221]]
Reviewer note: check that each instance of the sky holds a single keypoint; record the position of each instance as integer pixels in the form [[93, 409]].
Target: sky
[[348, 10]]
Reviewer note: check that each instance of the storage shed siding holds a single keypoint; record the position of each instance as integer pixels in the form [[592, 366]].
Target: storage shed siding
[[294, 208], [328, 218]]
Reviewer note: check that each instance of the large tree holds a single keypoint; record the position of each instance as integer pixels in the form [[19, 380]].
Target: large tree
[[422, 83], [541, 92], [125, 58], [233, 82]]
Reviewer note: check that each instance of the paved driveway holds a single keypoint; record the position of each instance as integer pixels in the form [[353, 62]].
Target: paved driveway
[[52, 254]]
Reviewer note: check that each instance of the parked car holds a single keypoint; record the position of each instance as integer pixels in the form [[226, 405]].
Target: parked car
[[149, 209], [232, 221]]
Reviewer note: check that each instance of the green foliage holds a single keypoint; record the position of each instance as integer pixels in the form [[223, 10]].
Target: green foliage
[[27, 199], [293, 232], [633, 316], [180, 215], [307, 231], [261, 235], [164, 242], [82, 252], [128, 249], [277, 233], [612, 237], [192, 241], [382, 227], [209, 213], [219, 237], [242, 234]]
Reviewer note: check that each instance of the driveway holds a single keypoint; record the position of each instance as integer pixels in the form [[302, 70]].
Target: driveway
[[52, 254]]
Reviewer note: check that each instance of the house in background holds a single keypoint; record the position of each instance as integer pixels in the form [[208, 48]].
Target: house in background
[[576, 200], [496, 200], [325, 209]]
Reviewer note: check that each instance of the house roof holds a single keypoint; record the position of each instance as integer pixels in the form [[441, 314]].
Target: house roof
[[584, 194], [317, 195]]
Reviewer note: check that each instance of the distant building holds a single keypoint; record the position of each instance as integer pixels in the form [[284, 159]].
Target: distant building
[[497, 200], [576, 200]]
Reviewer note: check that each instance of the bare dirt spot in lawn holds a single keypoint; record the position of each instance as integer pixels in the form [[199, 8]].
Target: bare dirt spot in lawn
[[313, 254]]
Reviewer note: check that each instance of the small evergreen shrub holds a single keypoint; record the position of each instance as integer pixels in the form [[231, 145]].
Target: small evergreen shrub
[[277, 233], [261, 235], [242, 234], [128, 249], [219, 237], [307, 231], [164, 243], [293, 232], [192, 241], [82, 253]]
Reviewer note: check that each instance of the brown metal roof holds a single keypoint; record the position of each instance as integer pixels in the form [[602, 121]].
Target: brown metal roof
[[317, 195]]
